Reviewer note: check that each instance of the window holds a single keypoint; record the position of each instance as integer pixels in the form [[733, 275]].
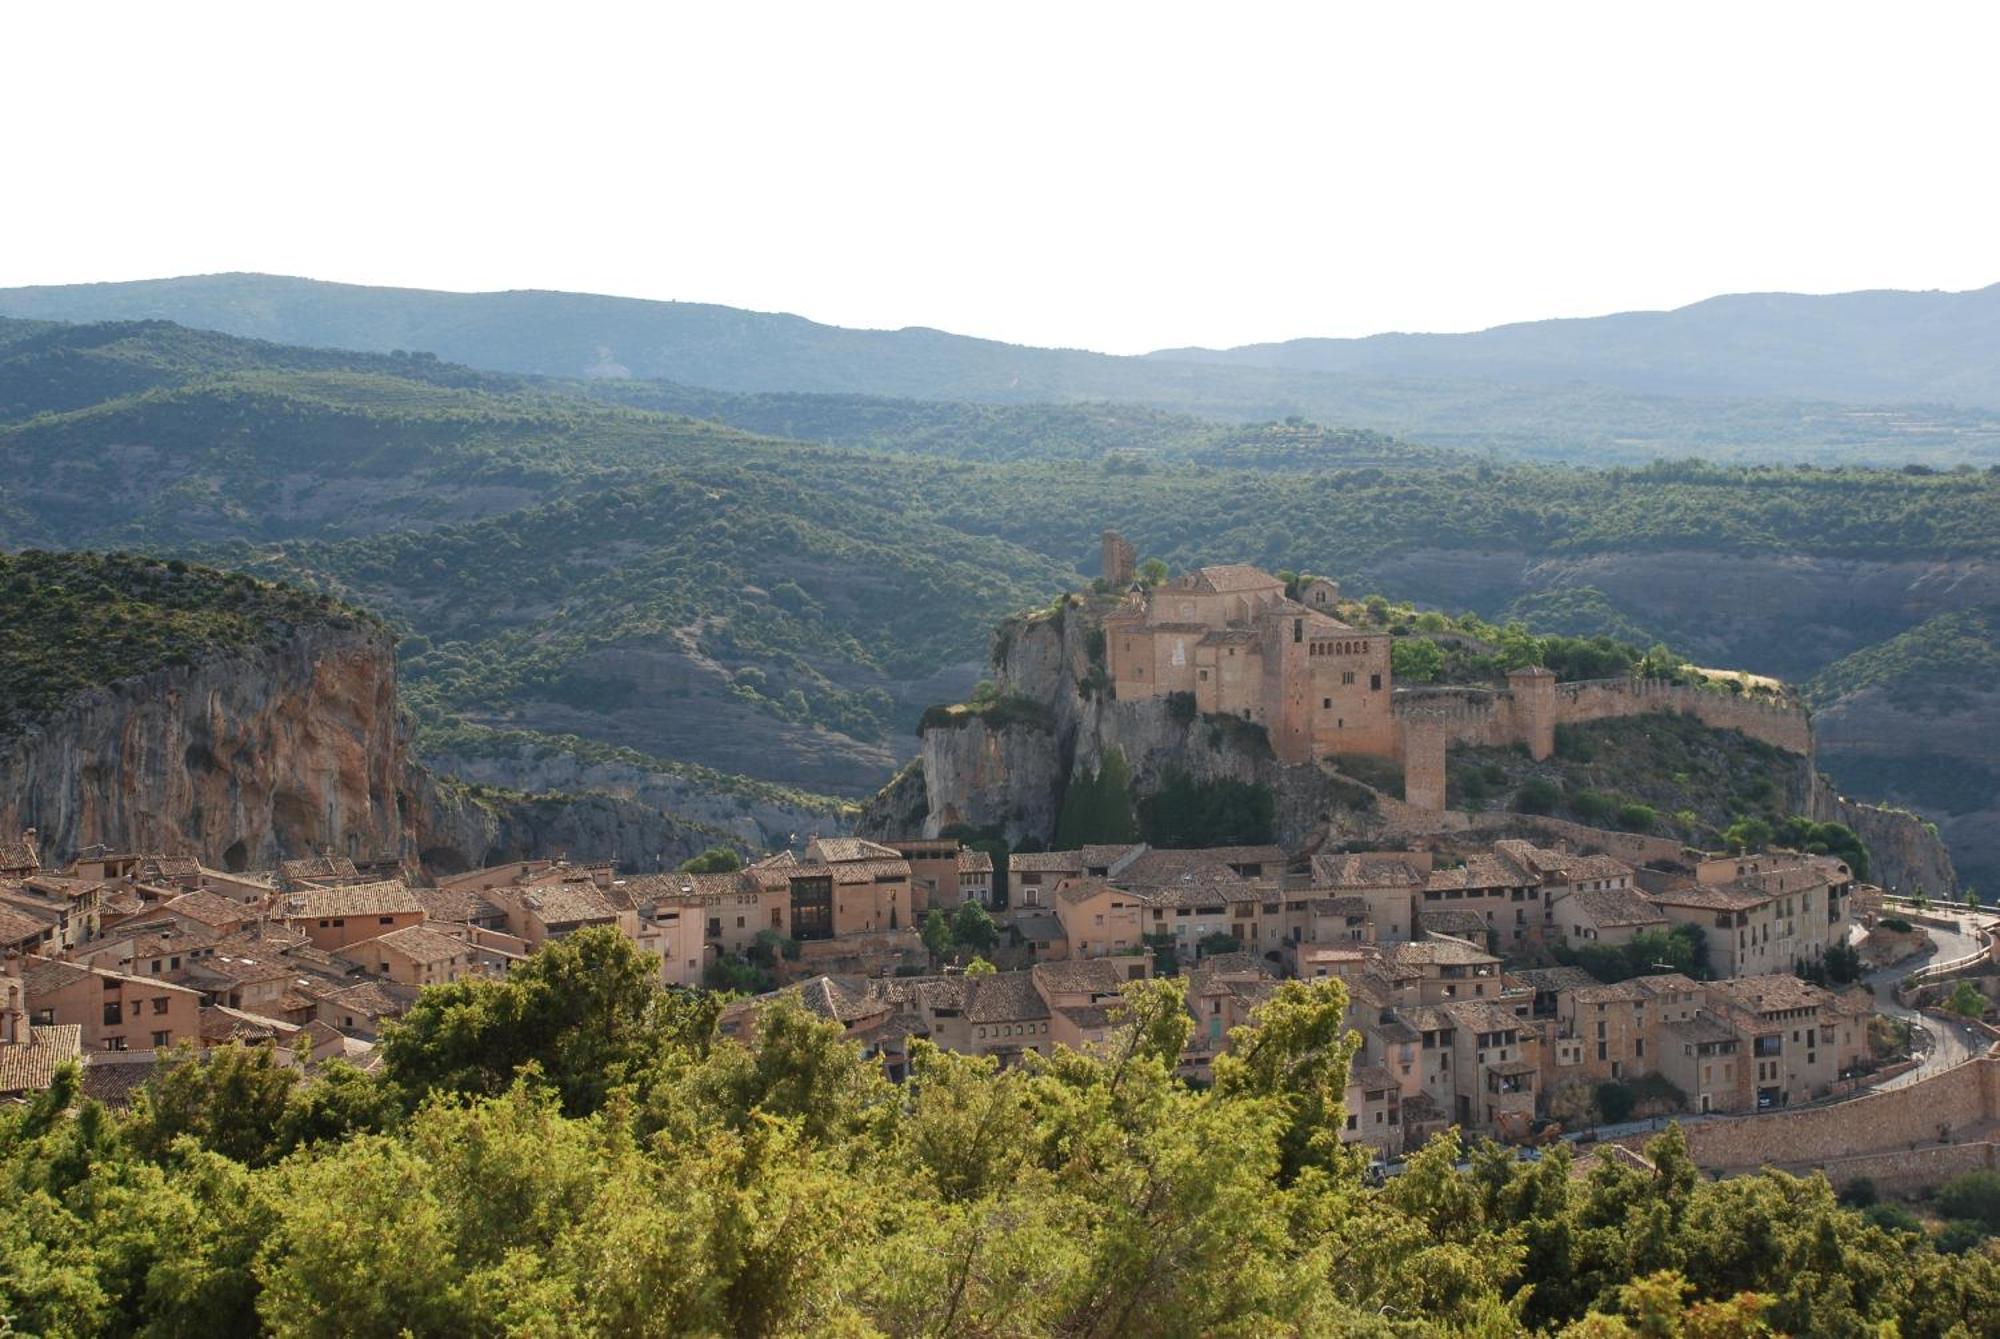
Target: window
[[1347, 676], [111, 1013], [1375, 683], [114, 1043], [385, 920], [1326, 704], [160, 1004], [338, 923], [162, 1040]]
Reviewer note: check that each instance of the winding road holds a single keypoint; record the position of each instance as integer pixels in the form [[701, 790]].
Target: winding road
[[1950, 1043]]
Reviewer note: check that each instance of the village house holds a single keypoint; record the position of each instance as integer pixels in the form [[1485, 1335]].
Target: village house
[[116, 1011], [1798, 1039], [30, 1054], [1390, 881], [975, 876], [1099, 920], [1493, 887], [69, 908], [415, 956], [325, 870], [333, 918], [1609, 918], [1763, 913]]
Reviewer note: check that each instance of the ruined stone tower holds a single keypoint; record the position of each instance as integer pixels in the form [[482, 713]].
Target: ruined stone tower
[[1533, 690], [1120, 560]]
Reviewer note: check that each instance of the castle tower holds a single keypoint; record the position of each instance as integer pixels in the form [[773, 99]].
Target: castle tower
[[1120, 561], [1533, 689], [1424, 742]]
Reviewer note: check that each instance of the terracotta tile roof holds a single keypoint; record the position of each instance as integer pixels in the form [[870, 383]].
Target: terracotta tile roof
[[1003, 997], [18, 925], [29, 1066], [971, 861], [390, 897], [1712, 899], [1615, 992], [1048, 862], [563, 903], [220, 1024], [1481, 1016], [843, 1002], [839, 850], [19, 853], [422, 945], [317, 868], [112, 1077], [1094, 976], [45, 976], [1037, 928], [376, 998], [207, 909], [1772, 993], [1372, 1078], [1182, 869], [1614, 908], [1342, 906], [1087, 1017], [1365, 871], [1666, 983], [1702, 1029], [1227, 579], [457, 906], [1453, 921], [864, 871], [1482, 871], [1552, 979], [1437, 952]]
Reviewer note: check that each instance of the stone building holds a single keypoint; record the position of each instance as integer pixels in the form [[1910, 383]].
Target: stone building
[[1232, 640]]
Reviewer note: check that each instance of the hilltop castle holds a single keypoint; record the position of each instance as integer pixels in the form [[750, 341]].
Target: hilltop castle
[[1240, 645]]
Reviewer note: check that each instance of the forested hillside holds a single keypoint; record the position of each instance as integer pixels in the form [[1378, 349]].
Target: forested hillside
[[567, 562], [572, 1150], [1885, 392]]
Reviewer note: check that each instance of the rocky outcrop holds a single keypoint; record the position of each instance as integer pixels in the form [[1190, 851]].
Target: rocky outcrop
[[460, 827], [1007, 771], [1905, 854], [242, 758], [251, 756]]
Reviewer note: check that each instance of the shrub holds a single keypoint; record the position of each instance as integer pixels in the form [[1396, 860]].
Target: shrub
[[1615, 1102], [1186, 813], [1636, 817], [1974, 1196], [1895, 924], [1537, 795]]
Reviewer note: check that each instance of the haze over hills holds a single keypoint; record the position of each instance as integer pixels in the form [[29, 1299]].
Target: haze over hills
[[1883, 346], [1902, 375]]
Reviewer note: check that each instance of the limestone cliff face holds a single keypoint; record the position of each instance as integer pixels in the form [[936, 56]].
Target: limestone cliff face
[[1903, 853], [241, 759], [458, 828], [253, 756]]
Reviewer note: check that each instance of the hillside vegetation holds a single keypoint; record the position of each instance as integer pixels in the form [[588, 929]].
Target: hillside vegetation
[[572, 1150], [77, 620], [581, 559]]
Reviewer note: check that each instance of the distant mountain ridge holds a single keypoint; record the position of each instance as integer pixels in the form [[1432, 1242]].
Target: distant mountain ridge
[[1751, 377], [1885, 344]]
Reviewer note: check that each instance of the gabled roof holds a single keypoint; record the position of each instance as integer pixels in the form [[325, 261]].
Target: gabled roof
[[838, 850], [1227, 579], [1482, 871], [457, 906], [317, 868], [1079, 976], [418, 944], [1614, 908], [30, 1066], [1003, 997], [1365, 870], [971, 861], [20, 853], [389, 897], [208, 909]]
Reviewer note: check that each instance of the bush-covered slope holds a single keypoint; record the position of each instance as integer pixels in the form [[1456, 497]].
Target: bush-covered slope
[[70, 621]]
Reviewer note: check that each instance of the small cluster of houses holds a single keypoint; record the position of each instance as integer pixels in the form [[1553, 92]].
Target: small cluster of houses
[[1446, 955]]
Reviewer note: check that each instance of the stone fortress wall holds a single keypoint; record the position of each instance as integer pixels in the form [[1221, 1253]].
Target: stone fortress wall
[[1534, 704]]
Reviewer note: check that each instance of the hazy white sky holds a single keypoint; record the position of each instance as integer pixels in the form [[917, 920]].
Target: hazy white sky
[[1118, 177]]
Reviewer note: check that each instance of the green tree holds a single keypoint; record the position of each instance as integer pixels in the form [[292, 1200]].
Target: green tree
[[936, 934], [972, 927], [715, 860], [1416, 660], [1966, 1001]]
